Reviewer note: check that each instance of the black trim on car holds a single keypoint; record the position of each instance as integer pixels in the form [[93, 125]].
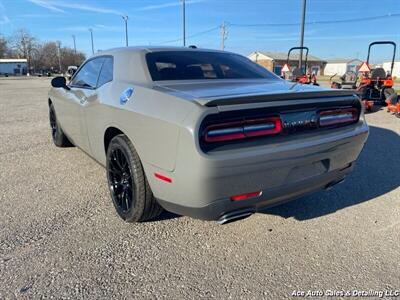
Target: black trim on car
[[278, 97], [286, 113], [81, 66]]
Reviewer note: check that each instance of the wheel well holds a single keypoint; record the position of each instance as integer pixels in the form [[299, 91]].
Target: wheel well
[[110, 133]]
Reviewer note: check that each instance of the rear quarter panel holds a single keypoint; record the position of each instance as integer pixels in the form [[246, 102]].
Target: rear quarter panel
[[150, 119]]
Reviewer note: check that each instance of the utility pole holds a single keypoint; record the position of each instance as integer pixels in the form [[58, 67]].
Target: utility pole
[[59, 55], [91, 37], [73, 38], [303, 20], [224, 35], [126, 29], [184, 22]]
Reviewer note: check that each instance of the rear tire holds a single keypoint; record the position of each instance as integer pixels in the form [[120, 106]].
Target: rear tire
[[58, 136], [129, 189]]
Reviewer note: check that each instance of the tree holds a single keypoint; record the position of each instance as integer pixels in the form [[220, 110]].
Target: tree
[[70, 58], [3, 47], [47, 57], [24, 44]]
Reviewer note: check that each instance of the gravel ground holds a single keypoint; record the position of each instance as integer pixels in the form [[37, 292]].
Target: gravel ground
[[60, 236]]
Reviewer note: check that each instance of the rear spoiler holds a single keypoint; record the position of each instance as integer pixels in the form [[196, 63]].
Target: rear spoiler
[[274, 97]]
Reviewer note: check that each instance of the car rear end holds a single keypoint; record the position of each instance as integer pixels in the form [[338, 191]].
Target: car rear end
[[251, 140], [234, 159]]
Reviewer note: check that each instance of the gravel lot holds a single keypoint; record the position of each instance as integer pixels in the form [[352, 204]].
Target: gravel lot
[[60, 236]]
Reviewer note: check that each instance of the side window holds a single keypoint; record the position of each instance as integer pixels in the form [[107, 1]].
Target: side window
[[106, 73], [88, 74]]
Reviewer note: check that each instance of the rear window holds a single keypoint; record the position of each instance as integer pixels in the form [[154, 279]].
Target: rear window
[[189, 65]]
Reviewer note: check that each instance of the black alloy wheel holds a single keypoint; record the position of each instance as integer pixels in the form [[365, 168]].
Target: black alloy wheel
[[120, 180], [130, 191]]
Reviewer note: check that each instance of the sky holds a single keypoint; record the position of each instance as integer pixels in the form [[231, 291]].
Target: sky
[[334, 28]]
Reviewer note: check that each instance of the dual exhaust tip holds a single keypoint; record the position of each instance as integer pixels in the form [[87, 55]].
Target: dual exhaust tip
[[244, 213], [235, 216]]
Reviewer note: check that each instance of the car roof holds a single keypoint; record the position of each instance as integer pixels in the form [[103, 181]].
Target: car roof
[[147, 49], [130, 62]]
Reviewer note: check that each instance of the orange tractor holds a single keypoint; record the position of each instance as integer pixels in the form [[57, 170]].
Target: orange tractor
[[376, 85], [299, 74], [393, 104]]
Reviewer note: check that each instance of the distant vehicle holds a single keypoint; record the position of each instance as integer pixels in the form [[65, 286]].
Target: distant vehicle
[[299, 74], [393, 104], [71, 71], [348, 81], [203, 133], [376, 85]]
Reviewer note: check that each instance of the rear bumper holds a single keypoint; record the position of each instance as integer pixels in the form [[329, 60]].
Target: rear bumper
[[269, 198], [202, 185]]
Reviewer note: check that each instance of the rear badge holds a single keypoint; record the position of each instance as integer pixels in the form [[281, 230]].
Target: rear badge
[[299, 120], [126, 96]]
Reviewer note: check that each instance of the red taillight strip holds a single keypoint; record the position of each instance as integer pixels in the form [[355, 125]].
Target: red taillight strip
[[162, 177], [243, 129], [338, 116], [246, 196], [267, 126]]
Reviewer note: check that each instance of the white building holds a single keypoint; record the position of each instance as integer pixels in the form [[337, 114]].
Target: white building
[[396, 68], [341, 66], [13, 66]]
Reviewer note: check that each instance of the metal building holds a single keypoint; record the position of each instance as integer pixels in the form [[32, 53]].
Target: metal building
[[341, 66], [13, 66]]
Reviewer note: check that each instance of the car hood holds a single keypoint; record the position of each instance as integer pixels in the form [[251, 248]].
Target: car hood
[[206, 92]]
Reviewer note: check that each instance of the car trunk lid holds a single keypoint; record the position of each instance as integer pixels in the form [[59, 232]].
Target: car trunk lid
[[231, 92]]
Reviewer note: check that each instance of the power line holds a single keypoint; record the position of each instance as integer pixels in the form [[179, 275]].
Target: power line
[[192, 36], [355, 20]]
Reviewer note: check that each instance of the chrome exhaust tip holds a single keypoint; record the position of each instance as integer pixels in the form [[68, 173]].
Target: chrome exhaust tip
[[330, 185], [235, 216]]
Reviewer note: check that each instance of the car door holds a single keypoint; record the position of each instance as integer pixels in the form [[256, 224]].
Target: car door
[[82, 91], [94, 108]]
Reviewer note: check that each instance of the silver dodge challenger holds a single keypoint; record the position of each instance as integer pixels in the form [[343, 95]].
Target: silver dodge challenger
[[203, 133]]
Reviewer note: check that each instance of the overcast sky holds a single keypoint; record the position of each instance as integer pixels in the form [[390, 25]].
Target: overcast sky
[[270, 25]]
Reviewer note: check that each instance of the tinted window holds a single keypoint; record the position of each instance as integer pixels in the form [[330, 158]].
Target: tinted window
[[106, 73], [187, 65], [88, 74]]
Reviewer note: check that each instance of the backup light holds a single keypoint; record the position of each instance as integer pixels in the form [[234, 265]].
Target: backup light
[[243, 129], [338, 116]]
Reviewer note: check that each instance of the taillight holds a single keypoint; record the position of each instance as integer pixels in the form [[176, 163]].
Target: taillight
[[338, 116], [237, 130]]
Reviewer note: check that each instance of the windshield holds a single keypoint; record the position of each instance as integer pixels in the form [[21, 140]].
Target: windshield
[[189, 65]]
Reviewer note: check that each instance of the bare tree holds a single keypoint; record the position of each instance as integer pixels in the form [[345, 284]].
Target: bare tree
[[3, 47], [24, 44], [49, 56], [70, 58]]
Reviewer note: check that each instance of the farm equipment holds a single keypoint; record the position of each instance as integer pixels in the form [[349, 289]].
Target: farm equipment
[[299, 74], [393, 104], [348, 81], [376, 85]]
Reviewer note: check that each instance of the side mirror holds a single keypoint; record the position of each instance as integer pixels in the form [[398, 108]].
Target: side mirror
[[59, 82]]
